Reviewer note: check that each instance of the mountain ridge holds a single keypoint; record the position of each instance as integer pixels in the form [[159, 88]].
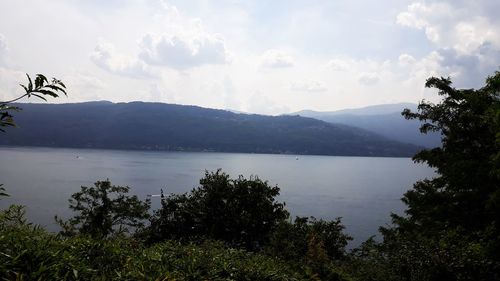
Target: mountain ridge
[[385, 120], [377, 109], [159, 126]]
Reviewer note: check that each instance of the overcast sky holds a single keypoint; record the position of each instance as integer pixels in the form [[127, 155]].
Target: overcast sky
[[268, 57]]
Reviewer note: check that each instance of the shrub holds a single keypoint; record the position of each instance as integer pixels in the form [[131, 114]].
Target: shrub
[[103, 210], [241, 212]]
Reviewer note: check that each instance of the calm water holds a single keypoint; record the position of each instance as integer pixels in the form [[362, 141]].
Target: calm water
[[361, 190]]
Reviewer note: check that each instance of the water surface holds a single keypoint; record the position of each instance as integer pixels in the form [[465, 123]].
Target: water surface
[[361, 190]]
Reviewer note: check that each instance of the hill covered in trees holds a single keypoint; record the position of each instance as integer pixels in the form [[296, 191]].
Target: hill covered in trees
[[158, 126]]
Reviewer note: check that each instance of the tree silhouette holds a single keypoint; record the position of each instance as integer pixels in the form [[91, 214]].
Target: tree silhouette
[[242, 212], [451, 228], [103, 210]]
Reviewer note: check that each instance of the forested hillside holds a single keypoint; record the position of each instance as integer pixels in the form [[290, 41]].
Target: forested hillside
[[157, 126]]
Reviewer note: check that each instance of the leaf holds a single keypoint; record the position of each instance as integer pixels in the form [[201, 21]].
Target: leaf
[[38, 82], [30, 85], [54, 87], [2, 191], [44, 79], [38, 96], [24, 87], [47, 92]]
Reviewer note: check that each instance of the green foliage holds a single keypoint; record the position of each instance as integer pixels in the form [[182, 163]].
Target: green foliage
[[465, 194], [41, 88], [14, 215], [451, 255], [451, 230], [6, 118], [103, 210], [29, 253], [291, 241], [317, 246], [241, 212]]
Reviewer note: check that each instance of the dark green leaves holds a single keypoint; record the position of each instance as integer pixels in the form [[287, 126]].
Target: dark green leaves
[[6, 117], [43, 87], [40, 80], [242, 212], [451, 227], [103, 210]]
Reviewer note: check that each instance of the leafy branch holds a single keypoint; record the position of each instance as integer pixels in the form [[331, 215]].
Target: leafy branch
[[2, 191], [40, 89]]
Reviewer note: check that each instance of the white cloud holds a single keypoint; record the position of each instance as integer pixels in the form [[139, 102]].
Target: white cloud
[[368, 78], [231, 100], [449, 26], [466, 34], [406, 60], [87, 81], [308, 86], [182, 43], [3, 49], [276, 59], [106, 57], [9, 83], [338, 64], [181, 51], [262, 104]]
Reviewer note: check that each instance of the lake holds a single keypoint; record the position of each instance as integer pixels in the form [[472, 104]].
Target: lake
[[361, 190]]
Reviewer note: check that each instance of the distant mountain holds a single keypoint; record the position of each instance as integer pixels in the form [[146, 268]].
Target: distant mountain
[[380, 109], [385, 119], [157, 126]]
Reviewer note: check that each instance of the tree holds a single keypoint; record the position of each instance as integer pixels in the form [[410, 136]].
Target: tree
[[40, 89], [103, 210], [451, 230], [466, 192], [242, 212], [290, 241]]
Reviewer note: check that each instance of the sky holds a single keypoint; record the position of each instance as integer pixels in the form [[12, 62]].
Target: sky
[[267, 57]]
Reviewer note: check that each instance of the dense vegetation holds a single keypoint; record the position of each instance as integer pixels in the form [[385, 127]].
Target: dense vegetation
[[241, 212], [234, 229], [226, 229], [104, 210], [157, 126], [451, 229], [29, 253]]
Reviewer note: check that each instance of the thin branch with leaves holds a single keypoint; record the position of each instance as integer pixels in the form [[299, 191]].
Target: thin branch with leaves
[[40, 89]]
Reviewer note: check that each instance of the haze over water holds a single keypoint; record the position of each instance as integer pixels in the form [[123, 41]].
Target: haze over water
[[361, 190]]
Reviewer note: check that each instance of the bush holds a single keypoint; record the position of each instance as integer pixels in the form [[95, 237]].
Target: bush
[[103, 210], [292, 241], [28, 252], [316, 246], [241, 212]]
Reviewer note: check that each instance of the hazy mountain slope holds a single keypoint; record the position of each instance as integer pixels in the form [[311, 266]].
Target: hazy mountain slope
[[159, 126], [385, 120], [380, 109]]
